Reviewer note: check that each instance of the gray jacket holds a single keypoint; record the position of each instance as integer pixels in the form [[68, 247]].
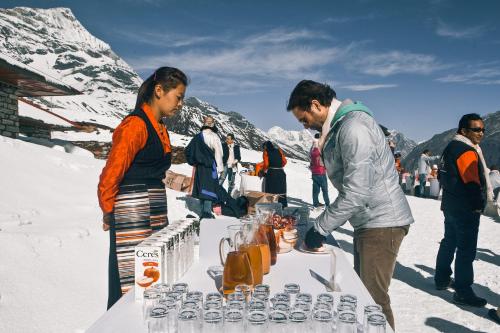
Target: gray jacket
[[360, 165]]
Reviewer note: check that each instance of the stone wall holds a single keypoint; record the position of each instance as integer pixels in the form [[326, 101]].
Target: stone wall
[[9, 117]]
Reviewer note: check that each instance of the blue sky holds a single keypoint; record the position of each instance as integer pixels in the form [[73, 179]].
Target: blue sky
[[419, 65]]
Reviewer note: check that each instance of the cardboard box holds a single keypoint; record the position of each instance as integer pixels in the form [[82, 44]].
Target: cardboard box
[[255, 197], [177, 181]]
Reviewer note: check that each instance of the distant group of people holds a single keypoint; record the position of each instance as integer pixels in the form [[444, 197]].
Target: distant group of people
[[350, 150]]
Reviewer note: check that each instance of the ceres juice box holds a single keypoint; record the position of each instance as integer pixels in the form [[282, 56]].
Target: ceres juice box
[[149, 262]]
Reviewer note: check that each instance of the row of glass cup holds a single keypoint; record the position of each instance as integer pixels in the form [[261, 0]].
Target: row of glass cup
[[177, 309], [180, 241]]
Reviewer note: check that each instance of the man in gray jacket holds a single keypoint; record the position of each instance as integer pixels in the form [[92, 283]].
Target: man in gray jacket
[[360, 165]]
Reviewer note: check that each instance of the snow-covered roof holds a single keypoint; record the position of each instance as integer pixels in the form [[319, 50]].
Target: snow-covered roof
[[30, 81]]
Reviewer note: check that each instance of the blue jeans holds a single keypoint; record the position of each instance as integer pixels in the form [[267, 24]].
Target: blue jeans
[[230, 174], [421, 186], [460, 236], [320, 182]]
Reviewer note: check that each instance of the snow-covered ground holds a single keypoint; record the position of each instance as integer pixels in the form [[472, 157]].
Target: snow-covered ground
[[53, 264]]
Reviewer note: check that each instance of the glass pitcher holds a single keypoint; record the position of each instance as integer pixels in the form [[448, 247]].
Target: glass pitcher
[[260, 237], [266, 230], [251, 247], [237, 268]]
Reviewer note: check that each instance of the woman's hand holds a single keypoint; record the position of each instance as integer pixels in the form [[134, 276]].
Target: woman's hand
[[107, 219]]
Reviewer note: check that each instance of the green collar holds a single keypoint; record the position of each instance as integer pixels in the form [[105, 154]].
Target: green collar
[[341, 112]]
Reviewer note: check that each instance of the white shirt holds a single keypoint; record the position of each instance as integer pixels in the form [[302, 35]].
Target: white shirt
[[212, 140], [230, 159]]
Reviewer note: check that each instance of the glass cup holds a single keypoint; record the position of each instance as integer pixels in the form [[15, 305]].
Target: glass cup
[[306, 307], [150, 299], [346, 322], [213, 322], [188, 321], [257, 322], [180, 287], [213, 297], [322, 306], [243, 289], [292, 289], [236, 296], [325, 297], [256, 305], [233, 321], [281, 297], [158, 322], [376, 323], [171, 305], [281, 306], [215, 304], [278, 321], [237, 305], [298, 321], [262, 288], [304, 297], [322, 321], [369, 309], [348, 298]]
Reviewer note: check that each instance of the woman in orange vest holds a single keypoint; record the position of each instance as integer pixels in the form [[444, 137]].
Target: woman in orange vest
[[275, 177], [130, 191]]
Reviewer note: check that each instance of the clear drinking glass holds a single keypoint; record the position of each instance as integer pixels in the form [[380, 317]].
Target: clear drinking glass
[[158, 322], [233, 321], [346, 322], [150, 299], [213, 297], [256, 305], [237, 305], [351, 299], [306, 307], [298, 321], [188, 321], [325, 297], [280, 297], [215, 304], [322, 321], [236, 296], [281, 306], [278, 321], [376, 323], [195, 295], [243, 289], [180, 287], [213, 322], [162, 288], [292, 289], [322, 306], [304, 297], [257, 322], [262, 288], [369, 309], [171, 305]]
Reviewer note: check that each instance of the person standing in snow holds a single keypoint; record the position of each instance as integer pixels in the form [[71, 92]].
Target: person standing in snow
[[495, 180], [230, 157], [204, 152], [424, 165], [130, 191], [466, 189], [360, 165], [318, 172], [274, 175]]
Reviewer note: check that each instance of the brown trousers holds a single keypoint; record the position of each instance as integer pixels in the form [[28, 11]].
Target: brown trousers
[[375, 252]]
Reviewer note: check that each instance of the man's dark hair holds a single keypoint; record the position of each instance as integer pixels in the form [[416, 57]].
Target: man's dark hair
[[494, 167], [426, 151], [466, 119], [306, 91], [317, 135], [230, 135]]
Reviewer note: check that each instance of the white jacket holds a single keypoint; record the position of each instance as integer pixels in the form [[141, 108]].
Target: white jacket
[[212, 140]]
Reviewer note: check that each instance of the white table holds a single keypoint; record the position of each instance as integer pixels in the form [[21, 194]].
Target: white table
[[250, 183], [126, 314]]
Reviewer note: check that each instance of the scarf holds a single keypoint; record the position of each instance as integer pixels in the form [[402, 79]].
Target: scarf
[[486, 171], [326, 125]]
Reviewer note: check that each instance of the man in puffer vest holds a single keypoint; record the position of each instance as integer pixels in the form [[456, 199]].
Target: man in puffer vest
[[464, 178], [360, 165]]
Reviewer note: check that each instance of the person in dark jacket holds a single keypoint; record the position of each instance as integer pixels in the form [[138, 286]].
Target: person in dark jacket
[[130, 191], [204, 152], [231, 155], [275, 176], [462, 175]]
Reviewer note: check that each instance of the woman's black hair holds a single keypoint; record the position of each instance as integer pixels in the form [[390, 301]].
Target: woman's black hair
[[168, 77], [268, 145], [306, 90]]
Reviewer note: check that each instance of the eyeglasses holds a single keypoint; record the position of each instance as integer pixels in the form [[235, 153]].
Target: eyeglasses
[[476, 129]]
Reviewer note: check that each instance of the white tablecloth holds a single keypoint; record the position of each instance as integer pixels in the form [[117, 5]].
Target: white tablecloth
[[126, 314]]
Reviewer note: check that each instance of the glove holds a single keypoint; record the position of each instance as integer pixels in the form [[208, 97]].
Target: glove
[[314, 239]]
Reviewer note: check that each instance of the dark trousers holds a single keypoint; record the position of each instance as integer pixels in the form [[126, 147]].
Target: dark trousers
[[320, 183], [114, 287], [230, 174], [421, 188], [460, 236]]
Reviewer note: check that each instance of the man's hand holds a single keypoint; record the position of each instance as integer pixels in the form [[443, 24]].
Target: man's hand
[[107, 220], [313, 239]]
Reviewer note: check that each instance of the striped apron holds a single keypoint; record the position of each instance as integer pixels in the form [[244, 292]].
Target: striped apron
[[140, 210]]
